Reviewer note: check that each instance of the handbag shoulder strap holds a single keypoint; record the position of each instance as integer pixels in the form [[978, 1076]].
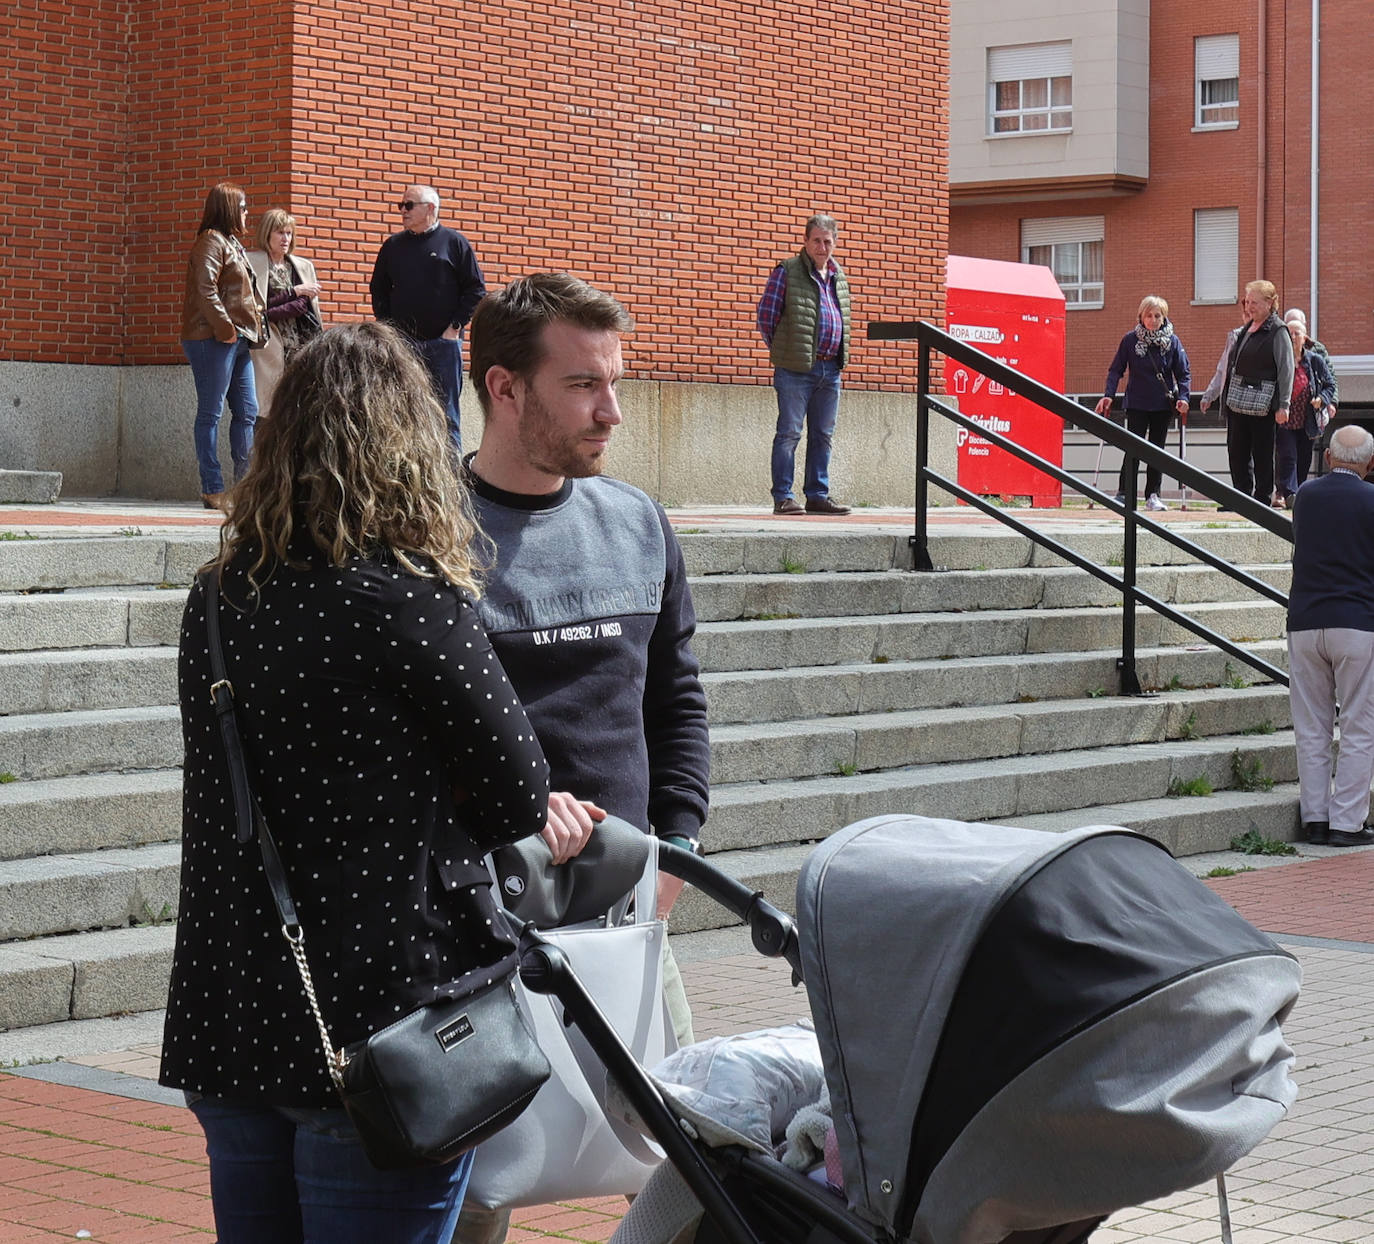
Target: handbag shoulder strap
[[248, 816], [247, 811]]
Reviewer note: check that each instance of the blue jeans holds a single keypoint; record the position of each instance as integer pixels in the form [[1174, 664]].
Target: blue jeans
[[281, 1176], [444, 358], [1294, 452], [812, 397], [222, 371]]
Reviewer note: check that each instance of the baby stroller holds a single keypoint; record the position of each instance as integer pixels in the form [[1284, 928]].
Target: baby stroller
[[1021, 1032]]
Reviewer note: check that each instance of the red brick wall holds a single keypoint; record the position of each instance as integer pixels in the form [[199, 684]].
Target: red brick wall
[[1149, 236], [669, 154], [62, 146]]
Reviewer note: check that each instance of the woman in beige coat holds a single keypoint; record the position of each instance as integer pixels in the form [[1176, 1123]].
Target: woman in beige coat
[[293, 300]]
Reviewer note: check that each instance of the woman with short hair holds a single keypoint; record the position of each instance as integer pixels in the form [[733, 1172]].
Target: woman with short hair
[[1156, 389], [293, 300], [1313, 402], [222, 318], [389, 755]]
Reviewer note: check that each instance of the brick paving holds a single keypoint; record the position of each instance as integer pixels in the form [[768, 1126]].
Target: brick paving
[[77, 1160]]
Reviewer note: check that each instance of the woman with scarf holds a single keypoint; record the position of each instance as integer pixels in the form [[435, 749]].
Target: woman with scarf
[[1157, 387]]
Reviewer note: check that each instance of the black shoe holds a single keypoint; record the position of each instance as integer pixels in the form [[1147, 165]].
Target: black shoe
[[787, 506], [1362, 837], [824, 505], [1318, 833]]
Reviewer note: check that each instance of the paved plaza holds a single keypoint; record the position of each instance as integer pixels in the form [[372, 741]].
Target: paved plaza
[[92, 1148]]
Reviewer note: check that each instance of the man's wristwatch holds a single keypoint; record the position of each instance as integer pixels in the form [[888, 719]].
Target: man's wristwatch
[[687, 844]]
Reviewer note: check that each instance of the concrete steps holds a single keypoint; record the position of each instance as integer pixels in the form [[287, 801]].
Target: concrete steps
[[840, 685]]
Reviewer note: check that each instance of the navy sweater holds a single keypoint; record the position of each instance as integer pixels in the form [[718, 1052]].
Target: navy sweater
[[1333, 555], [587, 607], [1143, 389], [424, 283]]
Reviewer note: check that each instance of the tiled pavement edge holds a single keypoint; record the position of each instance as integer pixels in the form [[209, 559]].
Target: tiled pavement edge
[[77, 1159]]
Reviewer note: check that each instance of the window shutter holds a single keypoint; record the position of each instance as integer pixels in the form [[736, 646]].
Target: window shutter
[[1216, 246], [1054, 230], [1031, 60], [1217, 56]]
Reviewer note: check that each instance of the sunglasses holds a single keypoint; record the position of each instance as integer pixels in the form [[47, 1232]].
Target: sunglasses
[[406, 204]]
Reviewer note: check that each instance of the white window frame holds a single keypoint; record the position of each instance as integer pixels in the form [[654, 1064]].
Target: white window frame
[[1216, 64], [1062, 236], [1216, 255], [1035, 69]]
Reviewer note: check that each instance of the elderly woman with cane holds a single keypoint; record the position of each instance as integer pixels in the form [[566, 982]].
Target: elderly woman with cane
[[1157, 387]]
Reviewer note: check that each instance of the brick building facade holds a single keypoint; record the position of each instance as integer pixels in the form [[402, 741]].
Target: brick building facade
[[666, 153], [1257, 168]]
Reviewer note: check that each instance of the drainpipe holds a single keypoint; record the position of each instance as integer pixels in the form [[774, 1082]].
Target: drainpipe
[[1316, 162], [1262, 171]]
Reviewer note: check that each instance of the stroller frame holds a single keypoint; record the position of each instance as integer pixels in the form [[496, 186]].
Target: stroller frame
[[545, 970]]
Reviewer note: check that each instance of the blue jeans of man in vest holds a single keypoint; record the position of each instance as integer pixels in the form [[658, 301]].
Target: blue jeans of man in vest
[[810, 397]]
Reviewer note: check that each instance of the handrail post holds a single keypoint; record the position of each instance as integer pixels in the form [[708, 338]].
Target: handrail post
[[1129, 683], [920, 548]]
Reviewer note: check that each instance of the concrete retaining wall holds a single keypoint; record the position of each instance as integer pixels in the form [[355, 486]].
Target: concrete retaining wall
[[127, 431]]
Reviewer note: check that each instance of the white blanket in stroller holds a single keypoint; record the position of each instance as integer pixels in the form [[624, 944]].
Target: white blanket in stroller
[[738, 1090]]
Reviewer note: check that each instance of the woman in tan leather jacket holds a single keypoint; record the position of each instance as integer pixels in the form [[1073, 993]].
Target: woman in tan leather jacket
[[223, 318]]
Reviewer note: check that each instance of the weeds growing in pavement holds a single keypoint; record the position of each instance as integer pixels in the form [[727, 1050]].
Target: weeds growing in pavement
[[1194, 787], [7, 777], [1222, 871], [1249, 774], [791, 567], [1188, 730], [1230, 678], [846, 769], [1252, 842], [1264, 727]]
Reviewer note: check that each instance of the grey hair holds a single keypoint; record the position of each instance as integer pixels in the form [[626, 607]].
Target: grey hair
[[1295, 313], [821, 221], [1345, 453], [428, 194]]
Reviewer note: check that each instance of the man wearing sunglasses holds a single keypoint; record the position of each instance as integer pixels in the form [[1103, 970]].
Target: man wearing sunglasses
[[427, 283]]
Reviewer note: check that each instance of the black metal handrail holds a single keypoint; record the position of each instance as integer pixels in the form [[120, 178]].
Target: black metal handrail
[[930, 339]]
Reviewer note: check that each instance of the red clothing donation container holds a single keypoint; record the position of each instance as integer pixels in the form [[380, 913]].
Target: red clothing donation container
[[1013, 312]]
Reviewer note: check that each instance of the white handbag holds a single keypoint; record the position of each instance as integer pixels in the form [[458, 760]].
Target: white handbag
[[565, 1146]]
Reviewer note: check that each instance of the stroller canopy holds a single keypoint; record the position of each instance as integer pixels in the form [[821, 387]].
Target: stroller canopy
[[1022, 1029]]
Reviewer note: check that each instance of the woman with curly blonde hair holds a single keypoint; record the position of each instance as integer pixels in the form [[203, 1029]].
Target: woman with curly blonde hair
[[388, 753]]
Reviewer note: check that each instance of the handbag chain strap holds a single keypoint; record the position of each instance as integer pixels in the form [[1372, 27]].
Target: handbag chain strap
[[248, 815]]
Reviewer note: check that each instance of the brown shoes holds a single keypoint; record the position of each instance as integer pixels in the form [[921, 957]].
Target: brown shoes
[[787, 506], [824, 505], [212, 500]]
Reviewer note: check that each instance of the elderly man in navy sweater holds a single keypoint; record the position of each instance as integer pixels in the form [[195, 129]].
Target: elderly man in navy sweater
[[427, 283], [1331, 642]]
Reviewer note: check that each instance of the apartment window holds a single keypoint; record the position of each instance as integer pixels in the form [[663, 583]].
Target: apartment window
[[1030, 88], [1216, 248], [1071, 247], [1216, 60]]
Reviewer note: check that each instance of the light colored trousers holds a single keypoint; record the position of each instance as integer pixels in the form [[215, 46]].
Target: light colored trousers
[[1330, 667], [479, 1225]]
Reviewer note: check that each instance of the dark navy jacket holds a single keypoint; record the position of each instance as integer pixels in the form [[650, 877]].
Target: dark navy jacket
[[1143, 389], [1333, 555]]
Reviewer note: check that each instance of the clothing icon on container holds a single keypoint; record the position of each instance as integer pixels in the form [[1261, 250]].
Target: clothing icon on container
[[960, 381]]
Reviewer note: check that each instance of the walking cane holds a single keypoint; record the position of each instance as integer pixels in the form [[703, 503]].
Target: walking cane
[[1097, 474], [1183, 455]]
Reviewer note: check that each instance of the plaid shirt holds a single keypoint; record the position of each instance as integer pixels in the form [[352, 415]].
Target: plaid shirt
[[830, 333]]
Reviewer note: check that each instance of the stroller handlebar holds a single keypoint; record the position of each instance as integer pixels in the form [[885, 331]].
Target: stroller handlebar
[[773, 932]]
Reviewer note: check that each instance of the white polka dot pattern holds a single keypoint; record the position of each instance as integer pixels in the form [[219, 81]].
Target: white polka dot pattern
[[366, 697]]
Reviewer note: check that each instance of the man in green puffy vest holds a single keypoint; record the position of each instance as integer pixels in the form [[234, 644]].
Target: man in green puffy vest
[[804, 317]]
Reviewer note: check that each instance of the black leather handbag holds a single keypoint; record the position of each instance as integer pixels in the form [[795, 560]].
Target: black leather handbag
[[437, 1082]]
